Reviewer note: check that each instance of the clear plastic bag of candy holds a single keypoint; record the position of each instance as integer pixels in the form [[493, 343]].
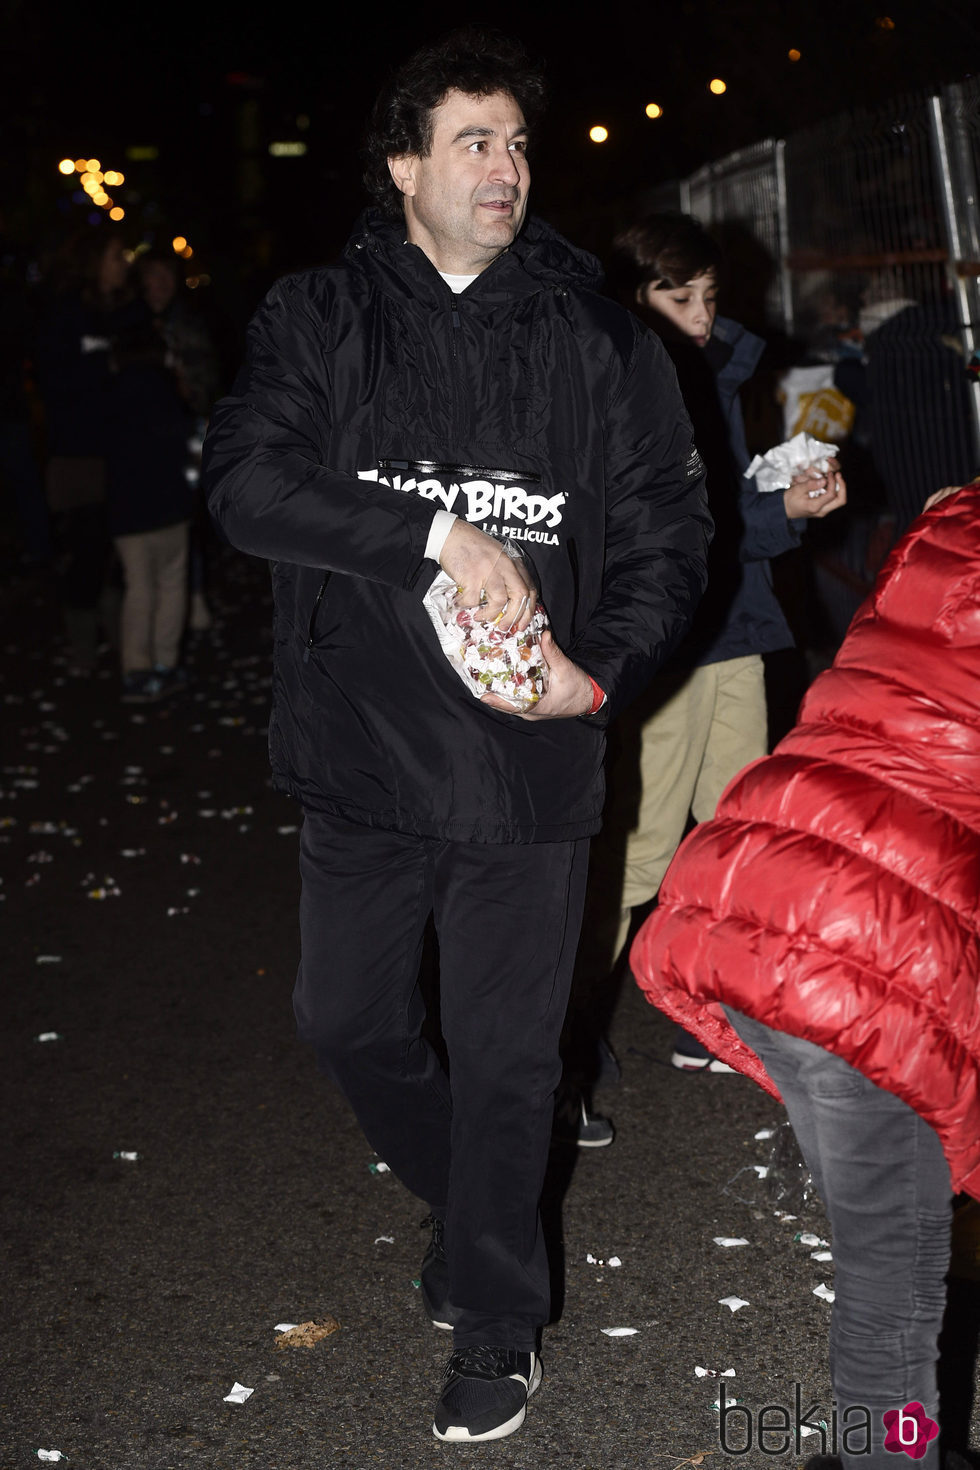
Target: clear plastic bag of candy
[[490, 656]]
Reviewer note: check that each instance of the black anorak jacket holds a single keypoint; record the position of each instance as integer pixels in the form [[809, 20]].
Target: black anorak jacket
[[372, 397]]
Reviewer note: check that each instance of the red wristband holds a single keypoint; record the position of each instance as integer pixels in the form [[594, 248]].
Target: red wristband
[[598, 697]]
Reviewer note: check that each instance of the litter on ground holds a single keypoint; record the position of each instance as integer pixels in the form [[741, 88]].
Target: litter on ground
[[239, 1393], [306, 1334]]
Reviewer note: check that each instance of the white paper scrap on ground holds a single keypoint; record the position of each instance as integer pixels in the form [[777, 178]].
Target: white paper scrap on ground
[[714, 1372], [284, 1326], [48, 1036], [619, 1331], [614, 1261], [239, 1394], [764, 1133], [379, 1168], [821, 1255], [807, 1237], [761, 1169], [48, 959], [730, 1240], [732, 1301], [824, 1292], [129, 1155], [388, 1239], [51, 1455]]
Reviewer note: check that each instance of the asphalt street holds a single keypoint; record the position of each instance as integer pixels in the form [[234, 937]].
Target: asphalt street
[[178, 1181]]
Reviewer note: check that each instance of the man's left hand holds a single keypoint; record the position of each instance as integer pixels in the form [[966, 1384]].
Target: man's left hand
[[569, 693]]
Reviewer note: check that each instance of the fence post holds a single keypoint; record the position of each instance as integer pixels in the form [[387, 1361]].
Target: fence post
[[782, 209], [955, 246]]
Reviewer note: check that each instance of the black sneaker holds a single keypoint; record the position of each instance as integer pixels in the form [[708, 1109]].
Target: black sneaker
[[141, 686], [434, 1278], [170, 680], [486, 1393], [594, 1131]]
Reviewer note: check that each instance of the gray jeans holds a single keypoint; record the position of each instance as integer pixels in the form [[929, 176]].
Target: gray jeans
[[884, 1181]]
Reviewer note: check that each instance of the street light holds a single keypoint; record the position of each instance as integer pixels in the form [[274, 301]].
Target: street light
[[598, 134], [717, 86], [653, 109]]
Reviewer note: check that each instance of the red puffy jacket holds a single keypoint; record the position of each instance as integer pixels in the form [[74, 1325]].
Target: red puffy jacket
[[835, 894]]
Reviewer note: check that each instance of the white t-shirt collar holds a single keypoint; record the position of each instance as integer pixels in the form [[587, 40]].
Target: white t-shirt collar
[[457, 284]]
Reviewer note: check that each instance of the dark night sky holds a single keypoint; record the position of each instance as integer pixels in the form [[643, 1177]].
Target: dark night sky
[[100, 79]]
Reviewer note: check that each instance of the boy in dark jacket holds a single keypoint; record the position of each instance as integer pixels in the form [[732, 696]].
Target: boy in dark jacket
[[704, 716]]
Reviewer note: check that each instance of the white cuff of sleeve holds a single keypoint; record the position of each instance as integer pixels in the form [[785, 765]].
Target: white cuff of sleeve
[[442, 524]]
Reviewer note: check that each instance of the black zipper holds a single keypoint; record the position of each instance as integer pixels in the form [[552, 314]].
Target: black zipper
[[454, 318], [464, 471], [311, 631]]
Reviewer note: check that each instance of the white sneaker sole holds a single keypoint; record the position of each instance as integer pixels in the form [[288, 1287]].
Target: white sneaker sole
[[685, 1063], [457, 1433]]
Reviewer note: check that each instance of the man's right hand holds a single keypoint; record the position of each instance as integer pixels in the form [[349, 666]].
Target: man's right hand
[[487, 577]]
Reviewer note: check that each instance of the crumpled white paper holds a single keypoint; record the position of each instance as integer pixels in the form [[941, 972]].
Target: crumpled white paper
[[239, 1394], [775, 469], [51, 1455], [732, 1301], [619, 1331], [714, 1372], [730, 1240], [824, 1293]]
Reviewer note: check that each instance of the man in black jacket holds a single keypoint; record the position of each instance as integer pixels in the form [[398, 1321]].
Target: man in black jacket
[[454, 385]]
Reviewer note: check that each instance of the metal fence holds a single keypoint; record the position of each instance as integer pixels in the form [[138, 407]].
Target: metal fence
[[861, 238]]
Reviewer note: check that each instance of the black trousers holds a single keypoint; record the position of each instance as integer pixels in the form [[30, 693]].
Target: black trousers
[[474, 1144]]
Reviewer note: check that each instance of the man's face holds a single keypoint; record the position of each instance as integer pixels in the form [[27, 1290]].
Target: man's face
[[466, 199]]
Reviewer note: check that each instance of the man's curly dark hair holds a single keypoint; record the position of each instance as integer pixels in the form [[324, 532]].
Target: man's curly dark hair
[[472, 60]]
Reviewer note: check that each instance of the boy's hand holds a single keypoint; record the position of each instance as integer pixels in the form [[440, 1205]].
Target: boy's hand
[[815, 493]]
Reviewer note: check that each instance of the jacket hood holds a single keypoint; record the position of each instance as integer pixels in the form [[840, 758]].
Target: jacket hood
[[539, 259]]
